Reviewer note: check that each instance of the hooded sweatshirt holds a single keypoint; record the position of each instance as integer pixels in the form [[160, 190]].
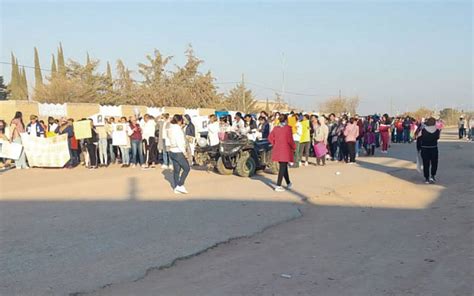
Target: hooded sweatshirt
[[429, 137]]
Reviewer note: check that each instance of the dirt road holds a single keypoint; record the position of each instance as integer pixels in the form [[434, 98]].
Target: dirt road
[[372, 229]]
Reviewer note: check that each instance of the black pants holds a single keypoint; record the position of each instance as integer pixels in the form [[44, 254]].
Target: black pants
[[151, 150], [92, 150], [430, 159], [179, 163], [343, 153], [351, 151], [332, 149], [283, 173]]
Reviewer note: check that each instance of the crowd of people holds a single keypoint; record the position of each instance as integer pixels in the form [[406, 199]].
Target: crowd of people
[[170, 141]]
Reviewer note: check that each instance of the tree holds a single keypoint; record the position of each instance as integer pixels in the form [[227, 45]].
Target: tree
[[54, 70], [15, 86], [240, 98], [24, 84], [38, 75], [154, 87], [3, 90], [61, 62], [340, 105], [124, 85], [450, 116], [422, 112]]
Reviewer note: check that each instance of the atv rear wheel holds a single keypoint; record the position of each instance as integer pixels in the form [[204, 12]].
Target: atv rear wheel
[[246, 166], [273, 167], [221, 167]]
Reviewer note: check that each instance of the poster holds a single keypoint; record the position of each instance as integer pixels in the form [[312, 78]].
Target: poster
[[119, 135], [98, 119], [10, 150], [46, 152], [82, 129]]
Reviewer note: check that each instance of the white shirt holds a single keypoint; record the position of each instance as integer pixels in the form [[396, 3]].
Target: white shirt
[[213, 133], [176, 139], [148, 129], [33, 129], [239, 127]]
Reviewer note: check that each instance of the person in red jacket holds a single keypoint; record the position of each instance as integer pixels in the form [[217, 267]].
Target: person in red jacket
[[283, 150]]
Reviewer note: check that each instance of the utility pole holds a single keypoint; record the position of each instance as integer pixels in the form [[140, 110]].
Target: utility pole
[[243, 94], [339, 94], [283, 78]]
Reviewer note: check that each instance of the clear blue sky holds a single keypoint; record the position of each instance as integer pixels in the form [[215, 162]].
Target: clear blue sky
[[415, 53]]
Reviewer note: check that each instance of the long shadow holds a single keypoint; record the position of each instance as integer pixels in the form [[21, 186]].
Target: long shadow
[[60, 247]]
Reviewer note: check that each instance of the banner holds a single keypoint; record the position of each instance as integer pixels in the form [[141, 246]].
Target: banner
[[10, 150], [119, 134], [46, 152], [82, 129]]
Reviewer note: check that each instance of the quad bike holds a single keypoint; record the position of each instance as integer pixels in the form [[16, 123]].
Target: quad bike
[[245, 157], [238, 154]]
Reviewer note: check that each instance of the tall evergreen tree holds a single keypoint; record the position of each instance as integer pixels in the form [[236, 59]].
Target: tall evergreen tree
[[24, 84], [54, 70], [15, 83], [109, 72], [61, 63], [38, 75], [242, 99]]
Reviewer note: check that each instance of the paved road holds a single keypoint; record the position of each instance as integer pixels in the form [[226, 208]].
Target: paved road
[[372, 229]]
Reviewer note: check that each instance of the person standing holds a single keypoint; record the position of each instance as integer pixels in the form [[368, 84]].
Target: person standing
[[332, 138], [17, 127], [163, 140], [263, 128], [429, 150], [91, 146], [136, 141], [351, 133], [102, 134], [177, 144], [213, 129], [66, 128], [34, 128], [384, 129], [305, 140], [283, 149], [297, 132], [109, 128], [190, 136], [125, 149], [151, 148], [461, 127], [320, 140]]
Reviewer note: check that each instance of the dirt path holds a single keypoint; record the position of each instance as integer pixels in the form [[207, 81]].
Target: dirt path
[[376, 230]]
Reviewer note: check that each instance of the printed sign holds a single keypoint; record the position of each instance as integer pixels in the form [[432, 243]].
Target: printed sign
[[119, 135], [46, 152], [10, 150], [82, 129]]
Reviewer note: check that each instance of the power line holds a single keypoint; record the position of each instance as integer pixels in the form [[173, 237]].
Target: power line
[[217, 83]]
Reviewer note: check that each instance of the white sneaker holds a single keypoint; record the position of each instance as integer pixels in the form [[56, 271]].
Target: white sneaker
[[181, 189], [134, 165], [279, 189], [289, 186], [176, 191], [306, 163]]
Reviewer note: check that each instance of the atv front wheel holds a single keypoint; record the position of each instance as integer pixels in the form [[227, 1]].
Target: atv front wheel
[[221, 167], [246, 166], [273, 167]]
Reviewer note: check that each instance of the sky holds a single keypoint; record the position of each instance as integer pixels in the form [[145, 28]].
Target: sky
[[395, 56]]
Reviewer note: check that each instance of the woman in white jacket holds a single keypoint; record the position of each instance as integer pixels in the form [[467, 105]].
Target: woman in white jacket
[[177, 144]]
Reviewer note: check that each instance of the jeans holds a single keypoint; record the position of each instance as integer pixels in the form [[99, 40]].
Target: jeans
[[179, 163], [461, 132], [103, 151], [111, 151], [166, 158], [304, 151], [125, 151], [297, 154], [21, 162], [137, 152], [430, 157], [283, 173], [406, 135]]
